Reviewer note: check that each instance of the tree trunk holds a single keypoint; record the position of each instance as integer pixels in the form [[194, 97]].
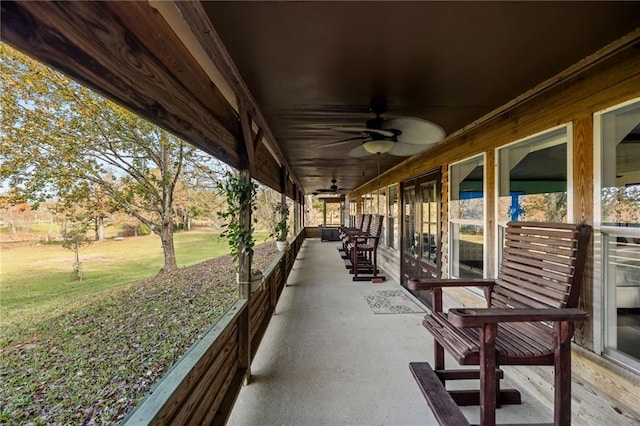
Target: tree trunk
[[100, 236], [166, 235], [78, 266]]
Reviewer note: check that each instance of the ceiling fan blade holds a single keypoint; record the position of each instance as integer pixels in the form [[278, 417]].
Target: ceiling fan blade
[[340, 142], [359, 152], [415, 131], [381, 132]]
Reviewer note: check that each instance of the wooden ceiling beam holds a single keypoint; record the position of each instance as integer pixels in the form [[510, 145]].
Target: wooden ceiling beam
[[128, 53]]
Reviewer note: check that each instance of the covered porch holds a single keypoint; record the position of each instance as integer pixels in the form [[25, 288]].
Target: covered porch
[[270, 87], [327, 358]]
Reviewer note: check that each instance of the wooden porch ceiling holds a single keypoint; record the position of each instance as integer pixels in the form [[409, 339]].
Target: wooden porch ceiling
[[313, 66], [306, 67]]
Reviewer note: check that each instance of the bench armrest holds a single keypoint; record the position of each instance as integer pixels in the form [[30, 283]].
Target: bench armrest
[[477, 317], [358, 234], [416, 284]]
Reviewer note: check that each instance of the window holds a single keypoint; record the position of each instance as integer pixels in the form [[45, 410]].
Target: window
[[382, 207], [367, 204], [533, 176], [617, 207], [332, 214], [410, 234], [466, 218], [429, 215], [353, 206], [532, 179], [392, 219]]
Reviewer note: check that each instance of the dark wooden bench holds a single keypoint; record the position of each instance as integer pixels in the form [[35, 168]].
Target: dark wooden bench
[[363, 252], [344, 230], [362, 228], [528, 321]]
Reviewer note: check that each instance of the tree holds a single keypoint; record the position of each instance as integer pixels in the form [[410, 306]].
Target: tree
[[63, 141], [74, 235]]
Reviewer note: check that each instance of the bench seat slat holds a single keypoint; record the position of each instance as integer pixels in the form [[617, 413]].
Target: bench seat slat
[[516, 341]]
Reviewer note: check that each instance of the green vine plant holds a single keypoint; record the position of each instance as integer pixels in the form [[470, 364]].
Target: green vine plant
[[238, 194], [279, 217]]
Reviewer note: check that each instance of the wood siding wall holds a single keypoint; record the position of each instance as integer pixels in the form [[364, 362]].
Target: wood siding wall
[[572, 100]]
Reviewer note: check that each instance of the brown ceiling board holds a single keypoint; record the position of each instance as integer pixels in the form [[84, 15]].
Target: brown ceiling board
[[312, 66], [128, 53]]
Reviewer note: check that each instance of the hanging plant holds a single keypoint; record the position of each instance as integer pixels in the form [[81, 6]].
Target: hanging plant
[[279, 217], [238, 195]]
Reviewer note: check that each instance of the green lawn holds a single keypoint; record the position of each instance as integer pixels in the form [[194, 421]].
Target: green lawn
[[36, 281]]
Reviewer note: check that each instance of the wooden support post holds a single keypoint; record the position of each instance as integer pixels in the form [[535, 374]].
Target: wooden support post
[[244, 275], [324, 212], [296, 209], [283, 199], [247, 157]]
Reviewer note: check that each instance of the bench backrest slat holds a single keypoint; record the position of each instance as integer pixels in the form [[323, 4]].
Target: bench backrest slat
[[376, 226], [542, 265], [366, 223]]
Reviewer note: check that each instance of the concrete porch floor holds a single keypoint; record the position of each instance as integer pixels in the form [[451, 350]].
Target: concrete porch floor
[[327, 359]]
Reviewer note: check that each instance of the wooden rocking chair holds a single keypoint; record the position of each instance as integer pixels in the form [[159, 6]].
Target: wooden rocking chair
[[362, 229], [363, 250], [529, 321]]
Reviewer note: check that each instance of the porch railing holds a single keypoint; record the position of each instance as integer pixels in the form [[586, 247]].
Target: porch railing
[[203, 385]]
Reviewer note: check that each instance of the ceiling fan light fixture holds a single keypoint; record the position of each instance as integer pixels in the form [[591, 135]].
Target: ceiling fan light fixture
[[378, 147]]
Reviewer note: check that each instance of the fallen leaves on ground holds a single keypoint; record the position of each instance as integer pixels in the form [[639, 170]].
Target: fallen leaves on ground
[[93, 365]]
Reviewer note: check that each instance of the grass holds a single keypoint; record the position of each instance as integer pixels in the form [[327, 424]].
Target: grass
[[91, 350], [37, 281]]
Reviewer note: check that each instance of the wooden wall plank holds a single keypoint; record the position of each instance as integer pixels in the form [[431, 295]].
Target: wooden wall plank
[[599, 394], [208, 386], [444, 220], [583, 184], [490, 234]]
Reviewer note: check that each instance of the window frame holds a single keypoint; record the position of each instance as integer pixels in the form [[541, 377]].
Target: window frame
[[501, 223], [602, 233], [484, 222]]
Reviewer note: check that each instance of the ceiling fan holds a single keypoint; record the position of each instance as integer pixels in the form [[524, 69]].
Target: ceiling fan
[[333, 189], [402, 136]]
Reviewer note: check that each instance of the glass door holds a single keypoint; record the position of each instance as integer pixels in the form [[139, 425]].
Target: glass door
[[421, 230]]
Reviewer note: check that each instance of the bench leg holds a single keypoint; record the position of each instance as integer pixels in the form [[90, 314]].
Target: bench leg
[[562, 374], [488, 374], [438, 357]]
